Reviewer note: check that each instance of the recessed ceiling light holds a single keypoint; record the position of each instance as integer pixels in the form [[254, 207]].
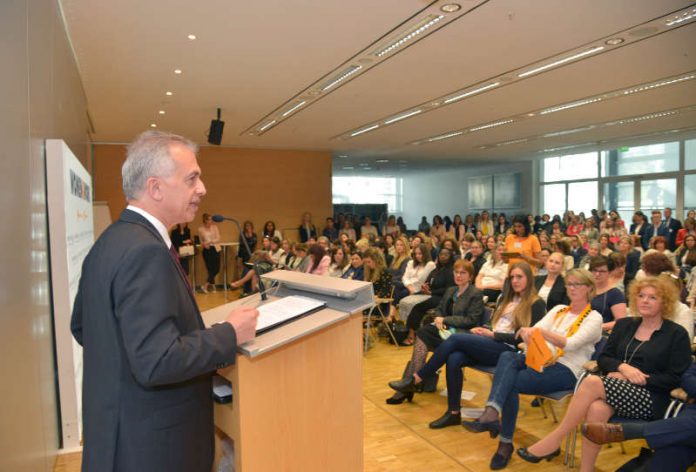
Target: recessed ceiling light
[[364, 130], [450, 7], [471, 92], [267, 125], [342, 156], [675, 20], [294, 108], [343, 75], [402, 116], [614, 41], [348, 167], [560, 61], [419, 28], [169, 94], [382, 161], [191, 37], [445, 136], [153, 125], [363, 164], [491, 125], [162, 112], [177, 71]]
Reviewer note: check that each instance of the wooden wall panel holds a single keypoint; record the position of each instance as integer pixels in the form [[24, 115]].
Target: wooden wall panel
[[253, 184]]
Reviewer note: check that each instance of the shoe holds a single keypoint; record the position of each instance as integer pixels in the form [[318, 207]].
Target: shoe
[[500, 460], [398, 398], [212, 288], [203, 289], [603, 433], [448, 419], [493, 427], [537, 402], [404, 385], [529, 457]]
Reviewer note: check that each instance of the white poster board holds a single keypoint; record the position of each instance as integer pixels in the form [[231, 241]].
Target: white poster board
[[71, 235]]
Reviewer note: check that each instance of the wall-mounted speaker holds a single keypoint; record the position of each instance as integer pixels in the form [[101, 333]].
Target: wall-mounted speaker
[[216, 127]]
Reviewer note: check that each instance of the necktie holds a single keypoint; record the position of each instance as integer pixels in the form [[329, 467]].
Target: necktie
[[175, 256]]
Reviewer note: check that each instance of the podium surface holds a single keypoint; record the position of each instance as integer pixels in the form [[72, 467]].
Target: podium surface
[[297, 389]]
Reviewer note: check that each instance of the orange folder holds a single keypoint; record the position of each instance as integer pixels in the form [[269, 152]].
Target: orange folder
[[538, 352]]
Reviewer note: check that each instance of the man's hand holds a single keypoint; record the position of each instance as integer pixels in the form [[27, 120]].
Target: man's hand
[[243, 320]]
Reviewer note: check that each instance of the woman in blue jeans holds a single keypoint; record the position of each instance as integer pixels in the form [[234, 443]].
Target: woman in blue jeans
[[519, 306], [570, 333]]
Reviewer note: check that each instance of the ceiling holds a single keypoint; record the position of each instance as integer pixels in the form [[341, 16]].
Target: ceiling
[[257, 60]]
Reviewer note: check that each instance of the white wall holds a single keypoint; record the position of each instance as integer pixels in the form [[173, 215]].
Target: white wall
[[446, 191]]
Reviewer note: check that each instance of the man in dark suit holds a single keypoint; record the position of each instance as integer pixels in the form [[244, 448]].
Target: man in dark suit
[[148, 359], [654, 229], [638, 226], [673, 226]]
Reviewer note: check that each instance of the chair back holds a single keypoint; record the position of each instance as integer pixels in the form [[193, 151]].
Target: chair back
[[599, 347], [486, 317]]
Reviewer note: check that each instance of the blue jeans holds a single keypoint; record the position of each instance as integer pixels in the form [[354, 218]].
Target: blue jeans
[[460, 350], [512, 377]]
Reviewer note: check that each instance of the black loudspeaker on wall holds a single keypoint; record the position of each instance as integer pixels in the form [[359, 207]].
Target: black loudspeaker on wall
[[216, 127]]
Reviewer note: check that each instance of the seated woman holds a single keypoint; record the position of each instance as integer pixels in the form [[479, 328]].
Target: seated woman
[[339, 262], [414, 307], [563, 246], [551, 287], [270, 230], [402, 254], [348, 230], [476, 257], [592, 251], [642, 362], [318, 260], [276, 251], [686, 255], [460, 307], [264, 264], [608, 301], [632, 256], [605, 245], [355, 271], [376, 272], [689, 228], [570, 332], [659, 244], [492, 275], [301, 260], [417, 271], [519, 307]]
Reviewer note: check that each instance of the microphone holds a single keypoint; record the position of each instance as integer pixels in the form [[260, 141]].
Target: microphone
[[220, 219]]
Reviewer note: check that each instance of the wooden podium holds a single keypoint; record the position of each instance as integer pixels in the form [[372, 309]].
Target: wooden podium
[[297, 390]]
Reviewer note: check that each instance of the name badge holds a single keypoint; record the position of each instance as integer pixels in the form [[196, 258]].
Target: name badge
[[518, 245]]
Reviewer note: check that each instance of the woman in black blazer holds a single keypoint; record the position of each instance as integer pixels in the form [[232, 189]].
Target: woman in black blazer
[[551, 287]]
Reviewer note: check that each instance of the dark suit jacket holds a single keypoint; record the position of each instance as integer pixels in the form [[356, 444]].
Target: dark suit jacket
[[673, 228], [650, 233], [466, 312], [557, 295], [147, 357]]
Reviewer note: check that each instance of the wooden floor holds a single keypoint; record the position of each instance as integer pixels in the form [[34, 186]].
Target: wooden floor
[[397, 437]]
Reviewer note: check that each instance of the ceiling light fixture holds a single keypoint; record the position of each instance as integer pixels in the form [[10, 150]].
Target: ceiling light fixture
[[382, 161], [419, 28], [169, 94], [658, 84], [471, 92], [191, 37], [341, 77], [365, 130], [267, 125], [402, 117], [675, 20], [614, 41], [162, 112], [445, 136], [177, 71], [560, 62], [567, 131], [153, 125], [491, 125], [450, 7], [348, 168], [294, 108], [570, 105]]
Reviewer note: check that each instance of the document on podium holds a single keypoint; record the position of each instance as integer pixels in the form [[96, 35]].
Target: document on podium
[[278, 312]]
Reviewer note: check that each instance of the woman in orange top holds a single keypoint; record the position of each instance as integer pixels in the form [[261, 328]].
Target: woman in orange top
[[522, 242]]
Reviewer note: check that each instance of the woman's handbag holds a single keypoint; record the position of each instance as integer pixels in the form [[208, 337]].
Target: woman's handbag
[[185, 251]]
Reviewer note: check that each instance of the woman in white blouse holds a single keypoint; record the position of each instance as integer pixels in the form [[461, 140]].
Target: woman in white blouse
[[209, 234], [492, 275], [417, 271]]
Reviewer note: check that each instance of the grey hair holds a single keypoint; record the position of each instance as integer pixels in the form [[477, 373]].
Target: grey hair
[[594, 244], [148, 156]]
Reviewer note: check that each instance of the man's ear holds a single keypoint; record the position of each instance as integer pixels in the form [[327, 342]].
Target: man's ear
[[154, 188]]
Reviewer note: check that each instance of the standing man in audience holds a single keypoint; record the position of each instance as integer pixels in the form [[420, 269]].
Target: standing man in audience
[[654, 229], [638, 226], [673, 226], [148, 358]]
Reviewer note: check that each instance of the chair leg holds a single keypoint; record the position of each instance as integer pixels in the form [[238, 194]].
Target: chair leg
[[367, 328], [553, 413], [623, 449], [542, 405], [573, 444], [389, 330]]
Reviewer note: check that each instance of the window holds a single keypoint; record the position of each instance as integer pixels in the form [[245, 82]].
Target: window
[[573, 167], [583, 196], [690, 154], [369, 190], [689, 192], [619, 196], [554, 199], [641, 160], [658, 194]]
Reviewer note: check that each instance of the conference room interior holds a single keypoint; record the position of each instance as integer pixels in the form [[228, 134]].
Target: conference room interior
[[434, 107]]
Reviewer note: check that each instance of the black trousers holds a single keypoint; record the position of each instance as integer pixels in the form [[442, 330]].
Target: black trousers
[[418, 312], [212, 263]]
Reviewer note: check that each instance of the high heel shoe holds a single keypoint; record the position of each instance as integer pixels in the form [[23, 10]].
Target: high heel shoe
[[529, 457], [493, 427], [398, 398], [407, 385]]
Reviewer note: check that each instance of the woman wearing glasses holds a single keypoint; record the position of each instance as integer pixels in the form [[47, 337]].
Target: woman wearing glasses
[[609, 301]]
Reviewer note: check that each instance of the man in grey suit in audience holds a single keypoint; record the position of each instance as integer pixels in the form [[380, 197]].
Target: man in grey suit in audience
[[148, 358]]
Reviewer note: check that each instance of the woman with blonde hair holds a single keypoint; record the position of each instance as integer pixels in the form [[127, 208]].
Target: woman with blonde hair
[[641, 363], [376, 272], [570, 333]]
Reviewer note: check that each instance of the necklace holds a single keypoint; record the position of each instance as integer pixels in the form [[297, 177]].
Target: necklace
[[633, 353]]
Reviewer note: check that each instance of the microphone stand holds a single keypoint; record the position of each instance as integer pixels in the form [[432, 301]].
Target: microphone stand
[[262, 289]]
